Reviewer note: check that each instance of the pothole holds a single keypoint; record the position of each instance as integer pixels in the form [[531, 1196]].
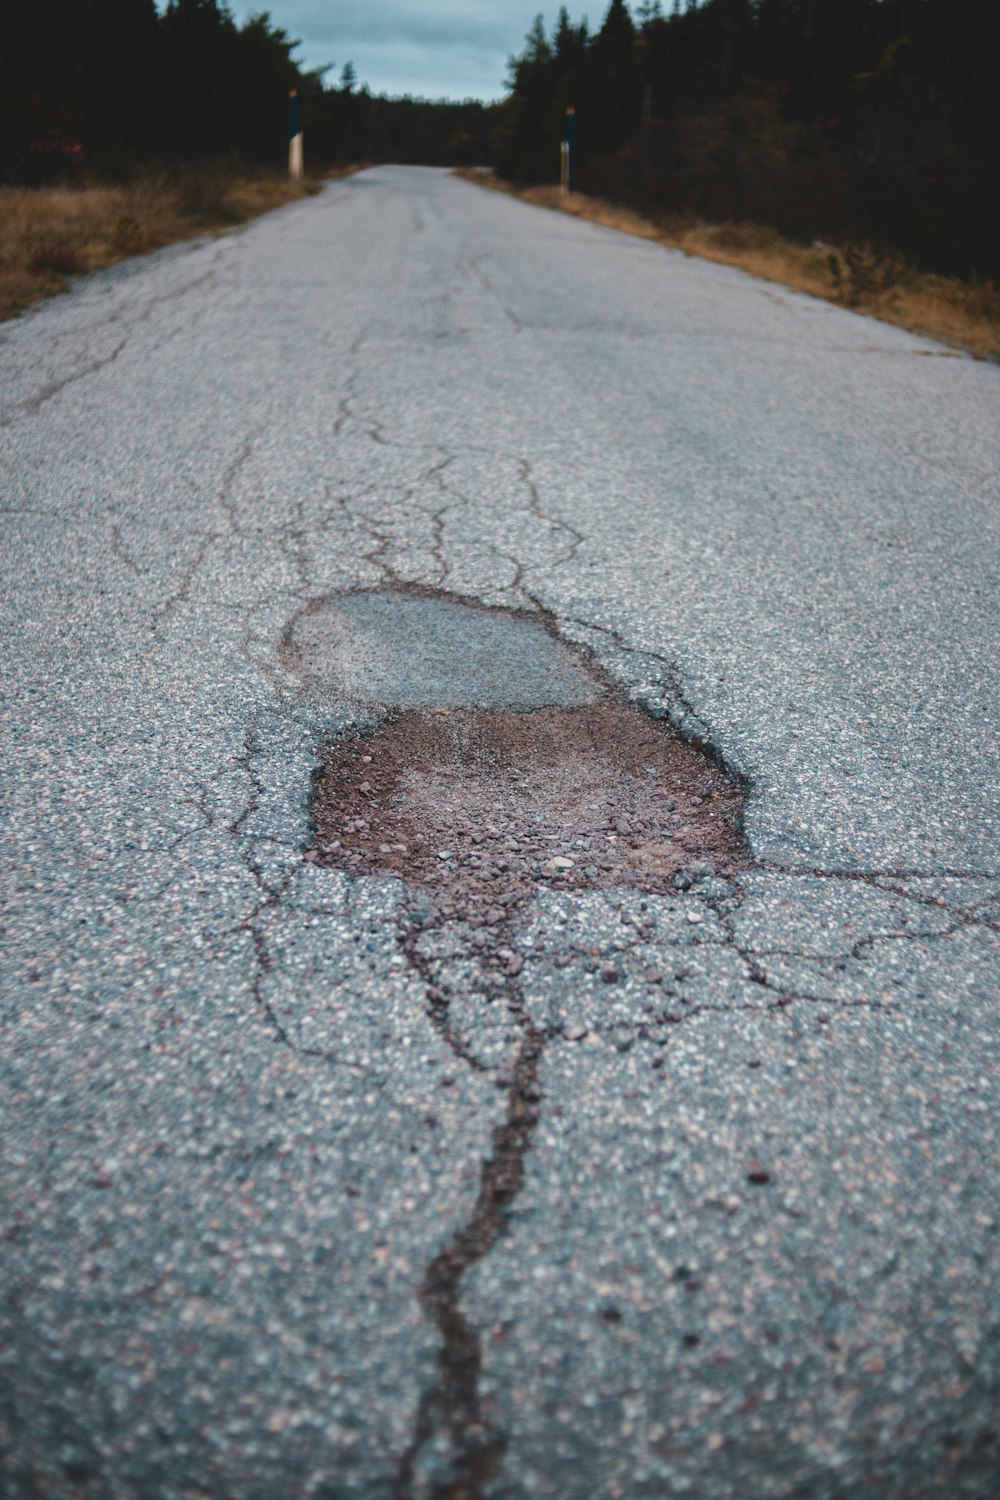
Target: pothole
[[502, 758], [501, 762]]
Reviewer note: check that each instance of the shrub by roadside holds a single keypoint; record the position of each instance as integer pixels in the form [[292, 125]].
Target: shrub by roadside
[[49, 234]]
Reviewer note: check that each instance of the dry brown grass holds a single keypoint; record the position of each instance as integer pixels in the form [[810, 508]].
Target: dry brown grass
[[50, 234], [963, 314]]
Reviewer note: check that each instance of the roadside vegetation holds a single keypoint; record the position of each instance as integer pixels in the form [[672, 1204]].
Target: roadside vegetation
[[111, 90], [964, 314], [848, 147], [49, 234]]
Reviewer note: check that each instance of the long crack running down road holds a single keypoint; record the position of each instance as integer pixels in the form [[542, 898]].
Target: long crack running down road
[[522, 787], [501, 912]]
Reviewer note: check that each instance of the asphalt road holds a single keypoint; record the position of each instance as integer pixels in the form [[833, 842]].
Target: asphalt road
[[749, 1243]]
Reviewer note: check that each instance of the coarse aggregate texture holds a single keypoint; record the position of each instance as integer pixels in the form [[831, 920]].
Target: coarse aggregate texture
[[738, 1234]]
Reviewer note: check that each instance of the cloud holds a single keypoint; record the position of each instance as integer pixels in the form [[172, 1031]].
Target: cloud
[[446, 49]]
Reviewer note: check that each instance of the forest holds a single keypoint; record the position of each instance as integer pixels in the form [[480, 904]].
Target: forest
[[868, 121], [842, 120], [106, 88]]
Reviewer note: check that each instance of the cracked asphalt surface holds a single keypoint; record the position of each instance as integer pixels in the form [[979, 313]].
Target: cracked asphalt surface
[[750, 1249]]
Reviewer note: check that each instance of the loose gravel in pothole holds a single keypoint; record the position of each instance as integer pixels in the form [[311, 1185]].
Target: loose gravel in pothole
[[478, 806]]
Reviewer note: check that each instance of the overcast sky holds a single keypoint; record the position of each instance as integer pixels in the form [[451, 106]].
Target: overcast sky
[[436, 49]]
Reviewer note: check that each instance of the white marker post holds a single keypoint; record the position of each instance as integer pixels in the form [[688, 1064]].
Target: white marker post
[[566, 151], [294, 138]]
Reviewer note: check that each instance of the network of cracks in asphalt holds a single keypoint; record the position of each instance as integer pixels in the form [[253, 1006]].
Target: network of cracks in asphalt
[[477, 809]]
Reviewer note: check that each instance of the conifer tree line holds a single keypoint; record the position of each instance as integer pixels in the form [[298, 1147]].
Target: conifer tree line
[[870, 120], [875, 120], [108, 87]]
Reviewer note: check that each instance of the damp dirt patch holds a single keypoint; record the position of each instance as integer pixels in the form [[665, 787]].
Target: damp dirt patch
[[503, 762], [479, 807]]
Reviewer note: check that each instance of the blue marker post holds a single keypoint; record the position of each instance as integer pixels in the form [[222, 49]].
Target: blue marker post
[[294, 138]]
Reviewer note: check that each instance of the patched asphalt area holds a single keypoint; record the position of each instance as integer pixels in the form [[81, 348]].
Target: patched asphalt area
[[753, 1248]]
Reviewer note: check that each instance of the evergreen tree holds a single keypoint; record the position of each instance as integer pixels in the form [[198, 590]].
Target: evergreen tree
[[873, 119]]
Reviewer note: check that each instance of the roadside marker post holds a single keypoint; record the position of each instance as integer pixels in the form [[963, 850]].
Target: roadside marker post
[[294, 138], [568, 147]]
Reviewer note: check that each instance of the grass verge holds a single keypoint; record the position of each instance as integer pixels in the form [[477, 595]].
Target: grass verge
[[48, 235], [965, 315]]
